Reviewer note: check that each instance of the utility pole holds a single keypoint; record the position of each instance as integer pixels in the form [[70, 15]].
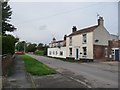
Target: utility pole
[[24, 47]]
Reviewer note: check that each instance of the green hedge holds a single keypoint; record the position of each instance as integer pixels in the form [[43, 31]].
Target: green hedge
[[8, 44], [41, 53]]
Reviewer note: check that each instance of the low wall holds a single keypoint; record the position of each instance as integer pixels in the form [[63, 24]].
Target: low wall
[[6, 62], [55, 52]]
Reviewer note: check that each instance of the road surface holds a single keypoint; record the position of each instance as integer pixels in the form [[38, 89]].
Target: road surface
[[97, 75]]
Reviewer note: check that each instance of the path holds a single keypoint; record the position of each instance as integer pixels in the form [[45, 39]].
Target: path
[[19, 77]]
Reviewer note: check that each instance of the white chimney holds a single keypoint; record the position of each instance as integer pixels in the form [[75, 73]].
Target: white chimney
[[100, 21]]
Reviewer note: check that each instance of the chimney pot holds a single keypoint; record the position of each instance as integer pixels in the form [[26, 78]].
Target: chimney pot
[[74, 29], [100, 21]]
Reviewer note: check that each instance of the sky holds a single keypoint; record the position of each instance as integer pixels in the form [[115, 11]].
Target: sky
[[38, 22]]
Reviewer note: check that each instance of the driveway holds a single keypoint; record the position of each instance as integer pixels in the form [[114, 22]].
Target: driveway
[[96, 75]]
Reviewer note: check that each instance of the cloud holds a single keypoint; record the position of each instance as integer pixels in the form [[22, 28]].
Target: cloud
[[43, 27]]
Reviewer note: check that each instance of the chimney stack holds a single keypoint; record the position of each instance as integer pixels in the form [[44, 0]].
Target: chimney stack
[[54, 39], [74, 29], [100, 21], [65, 37]]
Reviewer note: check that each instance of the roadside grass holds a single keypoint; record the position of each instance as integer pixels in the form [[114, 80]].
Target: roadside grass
[[35, 67]]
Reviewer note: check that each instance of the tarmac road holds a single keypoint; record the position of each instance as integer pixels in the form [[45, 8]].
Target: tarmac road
[[97, 75]]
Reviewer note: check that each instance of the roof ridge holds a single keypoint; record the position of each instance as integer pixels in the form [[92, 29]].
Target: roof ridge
[[84, 30]]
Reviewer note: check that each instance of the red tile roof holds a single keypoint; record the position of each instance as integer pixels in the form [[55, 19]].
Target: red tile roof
[[85, 30]]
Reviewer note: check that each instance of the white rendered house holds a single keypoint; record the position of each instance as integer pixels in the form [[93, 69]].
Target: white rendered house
[[88, 43]]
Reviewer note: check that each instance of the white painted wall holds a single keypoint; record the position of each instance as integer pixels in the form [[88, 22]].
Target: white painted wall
[[63, 49], [102, 35], [77, 42]]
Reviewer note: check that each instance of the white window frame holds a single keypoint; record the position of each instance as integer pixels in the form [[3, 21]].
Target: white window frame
[[70, 41], [84, 38], [84, 52], [106, 52], [61, 53], [70, 52]]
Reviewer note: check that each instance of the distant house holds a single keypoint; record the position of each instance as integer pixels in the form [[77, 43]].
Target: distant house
[[57, 48], [114, 37], [91, 43]]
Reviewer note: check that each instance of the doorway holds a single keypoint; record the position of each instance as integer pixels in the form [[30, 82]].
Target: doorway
[[77, 52]]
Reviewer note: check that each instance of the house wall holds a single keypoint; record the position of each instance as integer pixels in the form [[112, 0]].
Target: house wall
[[102, 35], [54, 50], [100, 52], [113, 45], [77, 42]]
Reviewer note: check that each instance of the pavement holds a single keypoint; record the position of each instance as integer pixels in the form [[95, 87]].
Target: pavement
[[19, 77], [91, 75], [56, 81]]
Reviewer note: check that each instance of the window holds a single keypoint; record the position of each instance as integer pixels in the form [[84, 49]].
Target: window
[[53, 52], [70, 50], [56, 53], [50, 52], [84, 38], [113, 52], [70, 41], [96, 41], [61, 53], [106, 54], [84, 51]]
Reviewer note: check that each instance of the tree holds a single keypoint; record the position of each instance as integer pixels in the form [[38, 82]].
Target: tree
[[6, 16], [8, 44], [40, 46], [45, 49], [20, 46], [8, 41], [31, 47]]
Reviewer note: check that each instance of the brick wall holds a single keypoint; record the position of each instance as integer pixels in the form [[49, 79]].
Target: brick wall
[[6, 62], [99, 52]]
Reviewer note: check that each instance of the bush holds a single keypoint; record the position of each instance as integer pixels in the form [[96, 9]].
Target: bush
[[41, 53], [8, 44]]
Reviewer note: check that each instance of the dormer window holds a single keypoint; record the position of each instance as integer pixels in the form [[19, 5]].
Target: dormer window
[[84, 38]]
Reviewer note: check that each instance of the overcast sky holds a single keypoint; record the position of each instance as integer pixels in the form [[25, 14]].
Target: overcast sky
[[39, 22]]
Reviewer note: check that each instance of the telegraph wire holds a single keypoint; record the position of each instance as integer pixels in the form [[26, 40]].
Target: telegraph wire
[[56, 14]]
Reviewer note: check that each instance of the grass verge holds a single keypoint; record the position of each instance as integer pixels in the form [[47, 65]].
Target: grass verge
[[35, 67]]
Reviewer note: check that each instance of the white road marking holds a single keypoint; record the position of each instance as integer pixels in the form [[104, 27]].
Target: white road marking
[[81, 82]]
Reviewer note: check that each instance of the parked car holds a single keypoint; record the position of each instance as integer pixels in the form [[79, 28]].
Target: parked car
[[20, 53]]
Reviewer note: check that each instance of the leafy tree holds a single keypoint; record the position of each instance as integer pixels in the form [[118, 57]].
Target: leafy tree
[[20, 46], [40, 46], [6, 16], [8, 44], [8, 41], [45, 49], [31, 47]]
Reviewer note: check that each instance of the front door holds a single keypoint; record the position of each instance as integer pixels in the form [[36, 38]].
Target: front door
[[77, 52], [116, 55]]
